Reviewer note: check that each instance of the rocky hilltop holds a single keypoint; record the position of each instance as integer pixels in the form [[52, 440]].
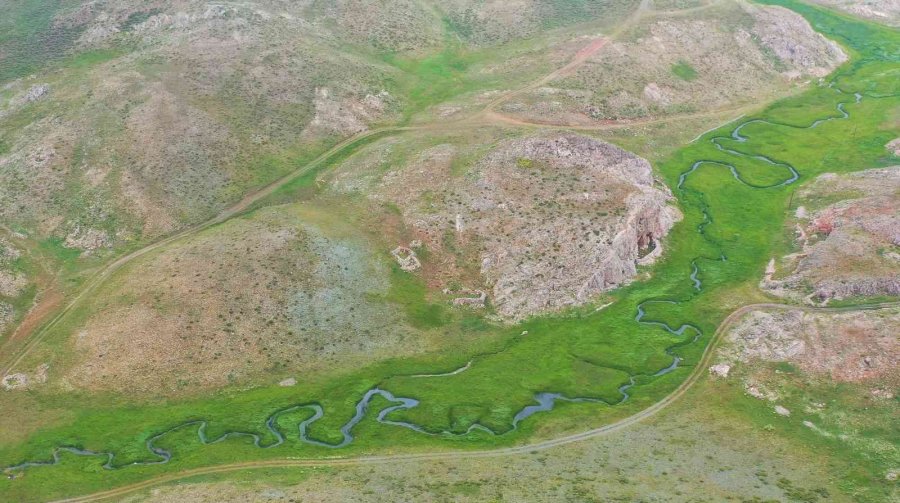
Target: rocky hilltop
[[552, 220]]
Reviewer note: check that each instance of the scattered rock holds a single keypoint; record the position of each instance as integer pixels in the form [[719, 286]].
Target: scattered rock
[[654, 93], [36, 92], [290, 381], [782, 411], [272, 494], [720, 370], [12, 284], [6, 315], [892, 475], [881, 394], [14, 381], [448, 110], [757, 391], [474, 298], [87, 239], [894, 146], [348, 114], [770, 269], [407, 258]]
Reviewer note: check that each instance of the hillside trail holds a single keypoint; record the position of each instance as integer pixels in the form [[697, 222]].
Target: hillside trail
[[584, 54], [47, 304], [696, 373], [490, 114], [40, 323], [47, 299]]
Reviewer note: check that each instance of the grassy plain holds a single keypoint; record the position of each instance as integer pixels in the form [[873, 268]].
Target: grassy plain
[[557, 353]]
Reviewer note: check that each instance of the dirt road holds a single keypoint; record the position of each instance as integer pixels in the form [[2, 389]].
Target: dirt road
[[91, 284], [30, 334]]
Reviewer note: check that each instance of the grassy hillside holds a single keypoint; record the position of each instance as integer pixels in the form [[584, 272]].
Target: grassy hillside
[[734, 204]]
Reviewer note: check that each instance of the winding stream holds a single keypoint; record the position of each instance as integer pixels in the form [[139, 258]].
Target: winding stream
[[544, 401]]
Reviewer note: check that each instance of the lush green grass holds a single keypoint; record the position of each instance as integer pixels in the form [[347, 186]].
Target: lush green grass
[[581, 353], [684, 71]]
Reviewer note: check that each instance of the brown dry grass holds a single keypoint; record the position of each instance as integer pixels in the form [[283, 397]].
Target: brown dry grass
[[736, 54], [288, 291]]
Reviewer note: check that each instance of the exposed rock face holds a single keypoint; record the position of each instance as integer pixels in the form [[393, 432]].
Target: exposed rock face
[[552, 219], [847, 249], [795, 43], [583, 256], [850, 347]]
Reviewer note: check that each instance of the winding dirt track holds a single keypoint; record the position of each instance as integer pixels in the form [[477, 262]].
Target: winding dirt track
[[32, 333], [696, 373], [228, 213]]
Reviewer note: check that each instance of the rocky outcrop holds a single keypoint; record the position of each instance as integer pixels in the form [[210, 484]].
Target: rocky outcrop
[[552, 219], [845, 249], [11, 283], [882, 11], [739, 52], [793, 41], [559, 257], [347, 115], [850, 347]]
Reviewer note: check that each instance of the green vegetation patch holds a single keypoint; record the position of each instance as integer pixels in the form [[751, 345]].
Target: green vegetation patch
[[684, 71]]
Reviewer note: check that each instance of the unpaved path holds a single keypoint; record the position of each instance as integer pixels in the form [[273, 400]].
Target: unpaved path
[[492, 117], [698, 371], [47, 300], [101, 276], [490, 113], [30, 334]]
